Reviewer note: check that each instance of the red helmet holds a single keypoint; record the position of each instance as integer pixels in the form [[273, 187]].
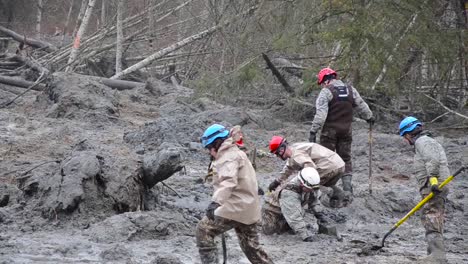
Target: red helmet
[[324, 72], [275, 143]]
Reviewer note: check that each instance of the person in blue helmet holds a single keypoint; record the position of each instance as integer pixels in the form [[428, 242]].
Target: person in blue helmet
[[430, 168], [235, 202]]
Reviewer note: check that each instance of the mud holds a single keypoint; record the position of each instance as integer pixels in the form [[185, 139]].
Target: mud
[[72, 186]]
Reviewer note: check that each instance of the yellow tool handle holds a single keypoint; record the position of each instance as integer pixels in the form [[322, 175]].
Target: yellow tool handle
[[423, 202]]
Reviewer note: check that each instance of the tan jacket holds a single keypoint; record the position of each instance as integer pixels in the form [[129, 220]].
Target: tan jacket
[[313, 155], [235, 185]]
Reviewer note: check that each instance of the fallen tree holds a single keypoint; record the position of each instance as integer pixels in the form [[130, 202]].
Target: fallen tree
[[114, 84], [29, 41]]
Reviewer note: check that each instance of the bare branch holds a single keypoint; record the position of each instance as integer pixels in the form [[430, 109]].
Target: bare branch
[[446, 108]]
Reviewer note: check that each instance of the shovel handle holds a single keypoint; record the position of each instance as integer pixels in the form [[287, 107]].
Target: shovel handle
[[370, 158], [420, 204], [427, 198]]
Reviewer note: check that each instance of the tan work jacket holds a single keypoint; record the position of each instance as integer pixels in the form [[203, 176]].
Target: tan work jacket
[[313, 155], [235, 185]]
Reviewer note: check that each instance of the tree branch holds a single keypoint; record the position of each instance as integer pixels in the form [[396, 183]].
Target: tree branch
[[446, 108]]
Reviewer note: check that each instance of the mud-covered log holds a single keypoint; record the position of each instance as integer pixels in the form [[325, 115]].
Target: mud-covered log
[[115, 84], [158, 166], [29, 41], [20, 83], [120, 84]]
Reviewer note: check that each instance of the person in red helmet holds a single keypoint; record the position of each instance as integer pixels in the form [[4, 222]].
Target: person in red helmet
[[301, 155], [334, 114]]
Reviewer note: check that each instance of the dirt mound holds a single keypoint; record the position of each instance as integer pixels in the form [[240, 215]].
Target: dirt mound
[[75, 96]]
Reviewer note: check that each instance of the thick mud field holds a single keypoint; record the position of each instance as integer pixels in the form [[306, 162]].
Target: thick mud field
[[76, 183]]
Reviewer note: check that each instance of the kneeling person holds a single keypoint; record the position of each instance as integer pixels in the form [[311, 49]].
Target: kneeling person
[[284, 209]]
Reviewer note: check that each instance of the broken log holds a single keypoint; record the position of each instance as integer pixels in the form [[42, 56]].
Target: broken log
[[114, 84], [277, 74], [20, 83], [30, 62], [29, 41], [120, 84]]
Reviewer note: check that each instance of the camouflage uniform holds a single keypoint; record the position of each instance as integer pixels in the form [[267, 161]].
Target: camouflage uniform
[[284, 210], [430, 161], [334, 114], [247, 234], [235, 190]]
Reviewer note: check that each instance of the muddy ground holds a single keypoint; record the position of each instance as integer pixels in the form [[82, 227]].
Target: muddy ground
[[71, 186]]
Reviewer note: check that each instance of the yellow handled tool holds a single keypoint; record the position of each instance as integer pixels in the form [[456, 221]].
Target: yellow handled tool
[[417, 207]]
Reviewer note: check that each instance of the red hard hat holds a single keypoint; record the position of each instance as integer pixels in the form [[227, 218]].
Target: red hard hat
[[275, 143], [324, 72]]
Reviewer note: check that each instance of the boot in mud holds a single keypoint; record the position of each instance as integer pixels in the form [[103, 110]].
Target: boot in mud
[[348, 189], [337, 197], [436, 248], [208, 255]]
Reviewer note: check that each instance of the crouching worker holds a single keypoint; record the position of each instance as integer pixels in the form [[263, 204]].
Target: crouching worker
[[304, 154], [284, 209], [235, 202]]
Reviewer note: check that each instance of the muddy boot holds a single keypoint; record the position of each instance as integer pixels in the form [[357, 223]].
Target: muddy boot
[[337, 197], [436, 248], [347, 185], [208, 255], [348, 190]]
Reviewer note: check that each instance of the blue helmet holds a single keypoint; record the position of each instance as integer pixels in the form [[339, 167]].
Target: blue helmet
[[213, 132], [408, 124]]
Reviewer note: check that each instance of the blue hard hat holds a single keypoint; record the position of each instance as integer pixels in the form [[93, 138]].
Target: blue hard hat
[[408, 124], [213, 132]]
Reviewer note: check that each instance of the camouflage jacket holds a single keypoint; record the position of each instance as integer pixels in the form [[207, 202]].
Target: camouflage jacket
[[429, 160], [290, 201], [324, 98]]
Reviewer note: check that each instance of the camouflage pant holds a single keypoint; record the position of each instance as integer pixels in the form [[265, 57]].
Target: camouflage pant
[[433, 212], [273, 221], [207, 230], [339, 142]]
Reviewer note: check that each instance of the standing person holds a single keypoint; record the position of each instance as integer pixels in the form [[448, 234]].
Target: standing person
[[334, 114], [238, 137], [235, 202], [430, 167], [329, 165], [284, 209]]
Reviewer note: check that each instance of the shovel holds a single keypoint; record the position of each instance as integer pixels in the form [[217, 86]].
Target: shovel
[[370, 158], [223, 243], [416, 208]]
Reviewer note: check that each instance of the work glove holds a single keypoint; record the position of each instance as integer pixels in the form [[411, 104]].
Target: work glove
[[312, 137], [210, 210], [273, 185], [260, 191], [434, 182], [371, 121], [309, 239]]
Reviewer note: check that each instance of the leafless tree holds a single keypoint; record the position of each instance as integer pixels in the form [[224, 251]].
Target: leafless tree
[[76, 43]]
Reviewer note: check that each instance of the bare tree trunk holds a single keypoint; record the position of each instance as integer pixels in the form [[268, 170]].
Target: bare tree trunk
[[395, 48], [39, 18], [103, 13], [118, 55], [80, 33], [79, 18], [462, 24], [151, 26], [65, 28], [6, 12], [178, 45]]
